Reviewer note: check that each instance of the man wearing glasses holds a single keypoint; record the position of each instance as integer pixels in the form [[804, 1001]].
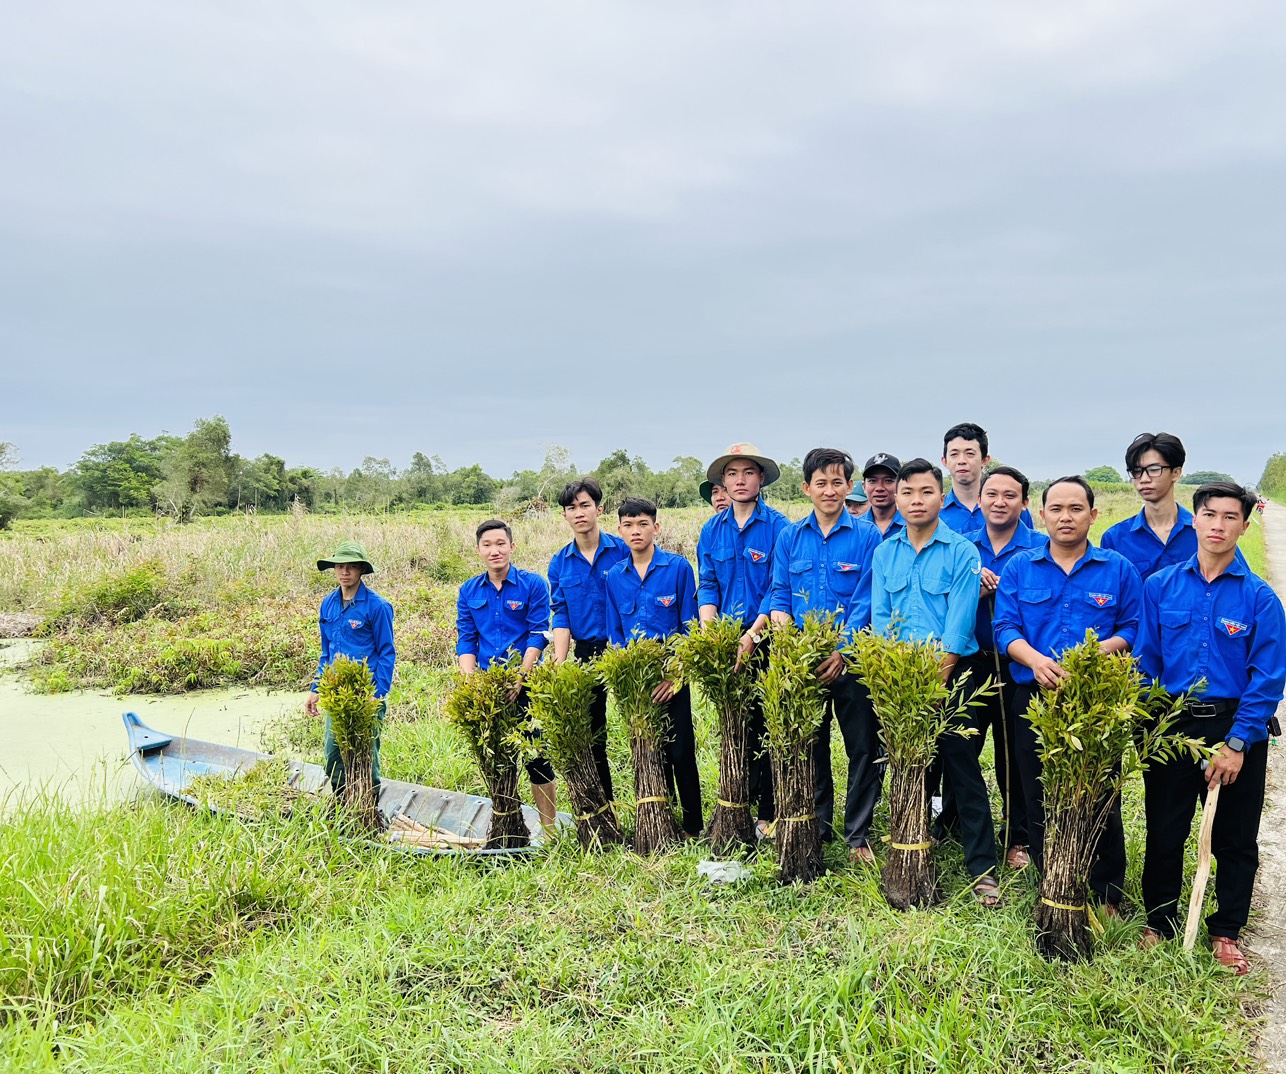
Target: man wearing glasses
[[1161, 534]]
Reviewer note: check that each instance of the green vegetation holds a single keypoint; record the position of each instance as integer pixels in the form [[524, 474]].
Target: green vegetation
[[1273, 481], [346, 694]]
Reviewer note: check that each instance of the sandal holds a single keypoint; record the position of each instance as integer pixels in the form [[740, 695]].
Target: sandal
[[763, 829], [862, 855], [987, 892], [1228, 953]]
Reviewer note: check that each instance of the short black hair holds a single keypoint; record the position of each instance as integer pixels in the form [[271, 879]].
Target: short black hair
[[966, 430], [1010, 472], [633, 506], [1070, 479], [574, 488], [823, 458], [919, 466], [1225, 490], [493, 524], [1167, 445]]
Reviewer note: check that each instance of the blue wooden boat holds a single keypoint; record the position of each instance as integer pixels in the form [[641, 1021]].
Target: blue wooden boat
[[169, 762]]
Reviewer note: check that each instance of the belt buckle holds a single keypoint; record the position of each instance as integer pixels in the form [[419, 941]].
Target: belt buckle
[[1201, 709]]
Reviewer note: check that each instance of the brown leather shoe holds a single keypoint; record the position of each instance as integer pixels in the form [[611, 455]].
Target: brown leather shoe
[[1016, 857], [1228, 953], [1150, 939], [861, 855]]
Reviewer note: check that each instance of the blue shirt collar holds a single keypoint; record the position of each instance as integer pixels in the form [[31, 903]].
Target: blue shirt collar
[[1092, 553], [846, 521], [1236, 568], [1140, 520], [951, 500], [942, 533], [1022, 538]]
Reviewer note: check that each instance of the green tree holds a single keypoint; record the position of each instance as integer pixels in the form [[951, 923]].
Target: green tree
[[1104, 475], [1273, 481], [1204, 477], [124, 473], [258, 482], [12, 501], [199, 472]]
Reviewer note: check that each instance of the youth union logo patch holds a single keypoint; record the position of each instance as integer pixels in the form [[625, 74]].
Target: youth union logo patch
[[1101, 599], [1233, 627], [665, 602], [847, 566], [355, 623], [514, 605], [756, 555]]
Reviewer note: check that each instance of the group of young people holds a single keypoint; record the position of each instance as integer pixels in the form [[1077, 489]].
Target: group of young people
[[967, 569]]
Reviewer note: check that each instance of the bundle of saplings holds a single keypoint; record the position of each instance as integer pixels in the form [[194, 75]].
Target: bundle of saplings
[[483, 706], [708, 657], [1084, 727], [346, 693], [793, 701], [632, 673], [914, 707], [560, 697]]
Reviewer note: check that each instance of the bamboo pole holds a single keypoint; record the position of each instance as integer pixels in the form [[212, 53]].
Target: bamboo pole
[[1203, 868]]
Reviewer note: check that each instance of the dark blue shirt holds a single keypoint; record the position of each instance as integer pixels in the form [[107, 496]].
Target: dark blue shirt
[[493, 622], [932, 593], [1231, 632], [577, 589], [967, 522], [655, 606], [1023, 539], [812, 573], [895, 527], [1051, 611], [362, 629], [1138, 543], [734, 566]]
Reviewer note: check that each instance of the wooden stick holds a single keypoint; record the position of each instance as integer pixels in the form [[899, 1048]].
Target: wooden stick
[[1203, 868]]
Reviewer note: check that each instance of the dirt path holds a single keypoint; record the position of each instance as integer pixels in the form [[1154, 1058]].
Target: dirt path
[[1267, 937]]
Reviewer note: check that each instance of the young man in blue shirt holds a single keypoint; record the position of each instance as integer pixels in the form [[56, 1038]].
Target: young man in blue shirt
[[578, 596], [653, 594], [715, 495], [734, 571], [823, 564], [506, 610], [1003, 501], [880, 483], [925, 584], [965, 454], [1211, 618], [357, 623], [1048, 597]]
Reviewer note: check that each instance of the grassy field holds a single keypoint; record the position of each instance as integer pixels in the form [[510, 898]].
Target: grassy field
[[149, 937]]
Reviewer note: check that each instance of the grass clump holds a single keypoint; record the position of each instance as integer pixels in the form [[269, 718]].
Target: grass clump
[[484, 706], [794, 700], [708, 656], [346, 693], [118, 597], [1084, 728], [560, 698], [914, 707], [256, 793], [632, 673]]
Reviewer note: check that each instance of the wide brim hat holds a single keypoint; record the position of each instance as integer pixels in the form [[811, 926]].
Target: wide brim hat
[[347, 552], [744, 450], [706, 488], [858, 495]]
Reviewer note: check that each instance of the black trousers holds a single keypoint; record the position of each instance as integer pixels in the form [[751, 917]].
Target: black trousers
[[958, 760], [681, 761], [1107, 873], [849, 704], [539, 770], [592, 650], [1170, 794], [761, 788], [996, 715]]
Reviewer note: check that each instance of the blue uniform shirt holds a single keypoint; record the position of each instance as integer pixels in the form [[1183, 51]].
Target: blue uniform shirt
[[1051, 611], [652, 607], [930, 594], [812, 573], [1231, 632], [967, 522], [577, 589], [493, 622], [734, 566], [362, 629], [996, 562], [1138, 543], [895, 527]]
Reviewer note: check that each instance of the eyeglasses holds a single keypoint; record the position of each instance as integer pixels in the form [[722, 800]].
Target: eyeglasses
[[1154, 471]]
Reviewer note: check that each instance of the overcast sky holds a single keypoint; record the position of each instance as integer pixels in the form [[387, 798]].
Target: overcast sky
[[478, 229]]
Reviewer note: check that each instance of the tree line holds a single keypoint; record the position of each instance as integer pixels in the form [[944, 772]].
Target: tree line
[[184, 477]]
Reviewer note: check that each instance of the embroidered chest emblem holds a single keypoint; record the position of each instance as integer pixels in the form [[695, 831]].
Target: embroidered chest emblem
[[756, 556], [665, 602], [1233, 627], [1101, 599], [356, 624], [845, 566], [514, 605]]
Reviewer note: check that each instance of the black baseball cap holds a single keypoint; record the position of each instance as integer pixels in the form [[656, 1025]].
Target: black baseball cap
[[882, 461]]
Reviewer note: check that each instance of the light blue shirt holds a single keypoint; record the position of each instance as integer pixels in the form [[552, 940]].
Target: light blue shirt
[[929, 594]]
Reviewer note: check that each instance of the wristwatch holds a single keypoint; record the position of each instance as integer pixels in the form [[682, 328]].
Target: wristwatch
[[1237, 745], [756, 638]]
